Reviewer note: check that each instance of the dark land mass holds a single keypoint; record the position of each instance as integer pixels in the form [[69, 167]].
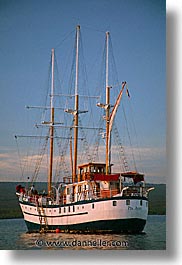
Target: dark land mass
[[9, 207]]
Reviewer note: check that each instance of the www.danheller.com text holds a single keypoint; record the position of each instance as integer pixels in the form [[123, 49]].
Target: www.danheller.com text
[[81, 243]]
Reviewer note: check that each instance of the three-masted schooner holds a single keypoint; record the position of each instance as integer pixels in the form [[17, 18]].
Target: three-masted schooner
[[95, 200]]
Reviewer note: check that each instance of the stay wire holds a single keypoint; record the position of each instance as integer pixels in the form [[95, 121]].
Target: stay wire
[[64, 38], [20, 162], [136, 135], [129, 137]]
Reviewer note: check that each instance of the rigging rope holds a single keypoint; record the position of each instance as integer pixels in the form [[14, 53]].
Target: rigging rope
[[121, 152], [85, 144], [21, 168], [62, 164], [129, 138], [136, 135], [97, 142], [65, 37], [39, 160]]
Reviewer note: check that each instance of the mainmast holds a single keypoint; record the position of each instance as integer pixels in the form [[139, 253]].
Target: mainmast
[[51, 127], [107, 105], [76, 106]]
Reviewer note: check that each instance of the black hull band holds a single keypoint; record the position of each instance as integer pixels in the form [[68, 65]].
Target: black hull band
[[133, 225]]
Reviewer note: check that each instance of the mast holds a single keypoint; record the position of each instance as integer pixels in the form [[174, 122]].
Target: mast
[[107, 105], [71, 155], [110, 115], [51, 127], [76, 106]]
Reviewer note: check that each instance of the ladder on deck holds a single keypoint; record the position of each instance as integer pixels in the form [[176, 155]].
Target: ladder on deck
[[42, 219]]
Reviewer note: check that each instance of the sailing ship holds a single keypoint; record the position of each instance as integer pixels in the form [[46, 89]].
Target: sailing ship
[[94, 199]]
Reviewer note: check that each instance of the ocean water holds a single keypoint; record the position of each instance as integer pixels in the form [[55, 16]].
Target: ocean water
[[14, 236]]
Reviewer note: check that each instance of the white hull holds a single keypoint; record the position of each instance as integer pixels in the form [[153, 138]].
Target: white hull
[[113, 214]]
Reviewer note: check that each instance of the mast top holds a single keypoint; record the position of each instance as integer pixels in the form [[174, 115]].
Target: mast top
[[78, 27]]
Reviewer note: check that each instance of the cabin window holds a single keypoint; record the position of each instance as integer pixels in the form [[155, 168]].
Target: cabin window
[[68, 191], [64, 209], [69, 209], [127, 202], [54, 210], [100, 169], [92, 205], [140, 202], [73, 208], [50, 211], [82, 207], [114, 203], [85, 169], [146, 204], [59, 210]]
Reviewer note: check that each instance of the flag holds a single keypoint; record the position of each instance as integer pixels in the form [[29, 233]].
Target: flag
[[127, 93]]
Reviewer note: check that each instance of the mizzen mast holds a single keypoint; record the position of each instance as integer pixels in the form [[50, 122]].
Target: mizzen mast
[[107, 107], [110, 115], [51, 127]]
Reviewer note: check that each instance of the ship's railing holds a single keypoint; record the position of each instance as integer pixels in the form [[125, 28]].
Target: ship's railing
[[107, 193], [67, 180], [37, 199], [135, 191], [129, 191]]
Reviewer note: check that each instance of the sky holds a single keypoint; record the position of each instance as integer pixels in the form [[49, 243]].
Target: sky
[[30, 29]]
